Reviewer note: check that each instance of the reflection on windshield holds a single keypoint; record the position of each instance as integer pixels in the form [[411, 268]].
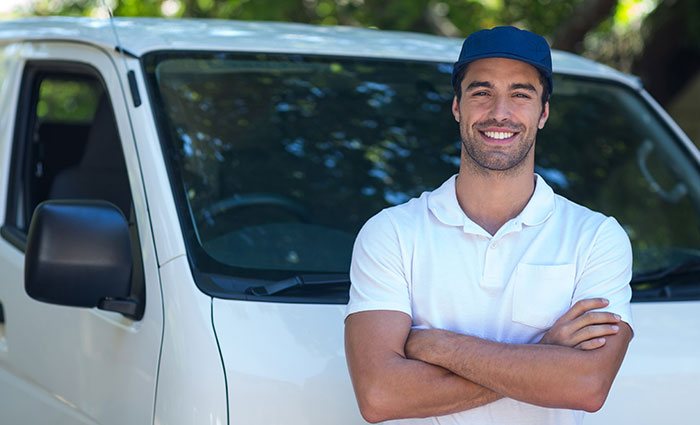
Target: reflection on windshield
[[283, 159], [280, 159], [603, 148]]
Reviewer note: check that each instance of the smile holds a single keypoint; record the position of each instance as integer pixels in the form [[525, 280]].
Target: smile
[[498, 135]]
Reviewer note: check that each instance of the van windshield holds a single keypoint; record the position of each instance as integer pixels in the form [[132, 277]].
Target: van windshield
[[276, 161]]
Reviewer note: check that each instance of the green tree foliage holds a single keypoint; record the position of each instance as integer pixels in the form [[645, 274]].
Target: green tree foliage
[[448, 17], [67, 101], [605, 30]]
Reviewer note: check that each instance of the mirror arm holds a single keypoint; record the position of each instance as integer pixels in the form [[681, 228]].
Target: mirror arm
[[125, 306]]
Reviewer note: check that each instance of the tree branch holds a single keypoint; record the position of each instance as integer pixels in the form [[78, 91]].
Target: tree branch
[[586, 16], [436, 19]]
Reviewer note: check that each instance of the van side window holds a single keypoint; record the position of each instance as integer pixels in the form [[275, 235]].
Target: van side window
[[67, 144]]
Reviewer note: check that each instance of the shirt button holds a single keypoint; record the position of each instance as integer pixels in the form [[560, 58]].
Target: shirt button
[[493, 245]]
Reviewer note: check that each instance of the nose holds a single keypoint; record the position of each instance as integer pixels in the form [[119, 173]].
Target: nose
[[500, 110]]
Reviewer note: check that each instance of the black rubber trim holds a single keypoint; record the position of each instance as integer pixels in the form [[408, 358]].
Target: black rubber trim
[[126, 52], [14, 236], [135, 95]]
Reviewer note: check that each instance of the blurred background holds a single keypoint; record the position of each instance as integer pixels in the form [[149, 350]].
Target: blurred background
[[657, 40]]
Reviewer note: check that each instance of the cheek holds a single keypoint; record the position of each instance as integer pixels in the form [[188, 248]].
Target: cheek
[[470, 116], [533, 119]]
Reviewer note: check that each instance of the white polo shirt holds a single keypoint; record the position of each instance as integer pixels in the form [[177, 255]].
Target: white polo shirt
[[427, 259]]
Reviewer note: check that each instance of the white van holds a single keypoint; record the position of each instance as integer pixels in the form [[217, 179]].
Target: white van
[[180, 197]]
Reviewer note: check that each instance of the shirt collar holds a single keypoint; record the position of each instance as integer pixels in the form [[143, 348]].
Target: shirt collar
[[443, 203], [540, 206]]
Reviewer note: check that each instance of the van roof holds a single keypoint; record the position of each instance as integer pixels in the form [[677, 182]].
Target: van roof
[[139, 36]]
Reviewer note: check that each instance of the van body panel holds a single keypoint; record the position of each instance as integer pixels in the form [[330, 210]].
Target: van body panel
[[298, 366], [666, 345], [191, 380]]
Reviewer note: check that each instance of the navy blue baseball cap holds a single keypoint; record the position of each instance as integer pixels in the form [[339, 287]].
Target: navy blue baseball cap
[[506, 42]]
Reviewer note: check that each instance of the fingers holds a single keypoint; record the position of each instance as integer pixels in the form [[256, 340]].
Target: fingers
[[593, 325], [580, 314], [581, 327], [591, 344], [595, 318], [584, 306], [593, 332]]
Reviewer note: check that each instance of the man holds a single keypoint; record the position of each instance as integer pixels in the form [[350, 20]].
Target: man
[[490, 300]]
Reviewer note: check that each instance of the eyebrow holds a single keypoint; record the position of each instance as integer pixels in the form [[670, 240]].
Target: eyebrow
[[521, 86], [475, 84], [514, 86]]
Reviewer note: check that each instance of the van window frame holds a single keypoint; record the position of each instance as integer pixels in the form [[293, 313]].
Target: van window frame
[[34, 71]]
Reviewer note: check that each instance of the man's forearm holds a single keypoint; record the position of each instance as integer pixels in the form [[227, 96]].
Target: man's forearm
[[536, 374], [545, 375], [390, 386], [412, 388]]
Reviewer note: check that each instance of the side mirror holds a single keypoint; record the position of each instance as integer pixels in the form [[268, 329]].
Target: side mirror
[[79, 254]]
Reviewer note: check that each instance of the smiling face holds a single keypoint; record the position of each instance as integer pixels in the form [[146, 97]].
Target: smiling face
[[499, 114]]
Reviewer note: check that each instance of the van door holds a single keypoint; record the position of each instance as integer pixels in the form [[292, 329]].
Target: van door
[[72, 140]]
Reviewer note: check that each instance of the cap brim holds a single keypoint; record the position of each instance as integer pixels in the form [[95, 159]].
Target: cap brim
[[458, 66]]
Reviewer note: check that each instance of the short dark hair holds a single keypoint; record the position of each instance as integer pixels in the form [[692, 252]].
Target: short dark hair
[[460, 76]]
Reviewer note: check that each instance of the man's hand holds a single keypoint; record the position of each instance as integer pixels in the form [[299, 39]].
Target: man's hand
[[582, 328]]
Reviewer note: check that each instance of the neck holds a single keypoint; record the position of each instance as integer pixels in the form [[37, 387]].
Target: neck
[[491, 198]]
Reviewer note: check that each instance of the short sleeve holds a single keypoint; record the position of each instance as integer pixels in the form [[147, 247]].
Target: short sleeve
[[608, 270], [377, 277]]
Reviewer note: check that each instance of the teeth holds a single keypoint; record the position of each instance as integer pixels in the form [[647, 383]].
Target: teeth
[[498, 135]]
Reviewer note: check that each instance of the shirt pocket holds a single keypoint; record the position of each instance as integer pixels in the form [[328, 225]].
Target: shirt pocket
[[542, 293]]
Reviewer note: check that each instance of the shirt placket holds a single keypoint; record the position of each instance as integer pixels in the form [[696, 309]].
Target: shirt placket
[[495, 257]]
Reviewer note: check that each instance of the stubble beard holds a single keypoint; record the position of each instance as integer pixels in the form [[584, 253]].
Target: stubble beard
[[490, 161]]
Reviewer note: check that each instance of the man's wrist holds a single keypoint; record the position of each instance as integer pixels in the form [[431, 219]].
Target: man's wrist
[[431, 345], [445, 347]]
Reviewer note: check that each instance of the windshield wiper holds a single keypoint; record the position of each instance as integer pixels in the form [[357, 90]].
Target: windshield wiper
[[661, 275], [300, 281]]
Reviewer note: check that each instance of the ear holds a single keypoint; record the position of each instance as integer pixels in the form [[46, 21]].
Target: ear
[[455, 109], [544, 116]]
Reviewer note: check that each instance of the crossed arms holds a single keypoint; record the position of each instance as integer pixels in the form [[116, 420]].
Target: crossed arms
[[402, 373]]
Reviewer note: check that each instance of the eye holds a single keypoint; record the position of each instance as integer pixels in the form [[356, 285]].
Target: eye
[[522, 95], [480, 93]]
